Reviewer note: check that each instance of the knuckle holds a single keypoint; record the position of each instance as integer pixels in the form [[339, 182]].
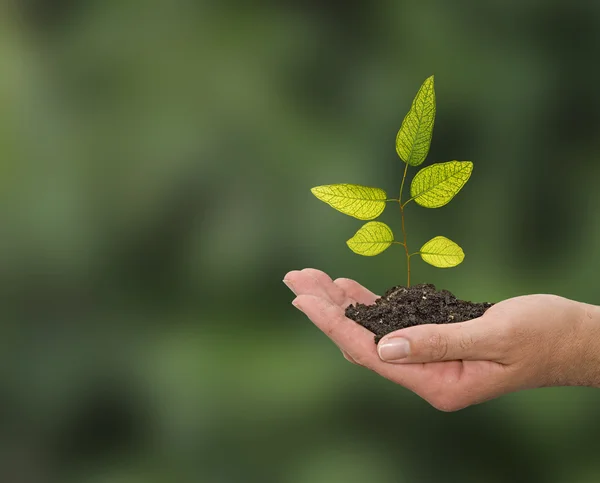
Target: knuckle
[[517, 332], [465, 342], [504, 345], [438, 346]]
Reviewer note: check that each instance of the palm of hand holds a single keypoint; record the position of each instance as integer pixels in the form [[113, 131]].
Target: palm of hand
[[479, 360]]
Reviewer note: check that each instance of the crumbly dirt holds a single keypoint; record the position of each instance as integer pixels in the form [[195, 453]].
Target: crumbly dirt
[[402, 307]]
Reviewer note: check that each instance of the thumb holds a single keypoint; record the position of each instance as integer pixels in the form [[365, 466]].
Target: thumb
[[471, 340]]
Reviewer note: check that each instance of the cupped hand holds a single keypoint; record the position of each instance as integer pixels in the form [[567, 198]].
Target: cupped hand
[[520, 343]]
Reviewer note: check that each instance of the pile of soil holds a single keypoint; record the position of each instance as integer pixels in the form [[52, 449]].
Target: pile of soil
[[402, 307]]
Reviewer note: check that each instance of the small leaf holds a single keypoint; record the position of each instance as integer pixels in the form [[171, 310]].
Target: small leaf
[[371, 239], [361, 202], [414, 137], [436, 185], [442, 253]]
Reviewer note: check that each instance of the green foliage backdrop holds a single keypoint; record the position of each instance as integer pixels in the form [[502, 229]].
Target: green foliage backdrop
[[156, 160]]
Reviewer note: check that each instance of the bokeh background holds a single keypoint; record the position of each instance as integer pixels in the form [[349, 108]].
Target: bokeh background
[[155, 165]]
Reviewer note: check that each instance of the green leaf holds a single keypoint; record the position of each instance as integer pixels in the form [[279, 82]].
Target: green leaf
[[436, 185], [361, 202], [371, 239], [414, 138], [442, 253]]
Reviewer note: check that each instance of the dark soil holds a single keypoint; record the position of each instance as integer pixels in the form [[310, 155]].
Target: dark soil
[[402, 307]]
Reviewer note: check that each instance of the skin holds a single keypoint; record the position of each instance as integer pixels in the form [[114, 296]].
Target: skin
[[521, 343]]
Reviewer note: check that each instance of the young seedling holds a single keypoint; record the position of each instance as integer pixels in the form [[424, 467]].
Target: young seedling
[[432, 187]]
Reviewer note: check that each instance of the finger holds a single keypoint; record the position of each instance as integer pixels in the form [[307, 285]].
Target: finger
[[335, 293], [290, 280], [472, 340], [347, 356], [356, 291], [302, 283], [355, 340], [330, 318]]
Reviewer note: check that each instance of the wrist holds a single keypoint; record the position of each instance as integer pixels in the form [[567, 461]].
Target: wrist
[[586, 357]]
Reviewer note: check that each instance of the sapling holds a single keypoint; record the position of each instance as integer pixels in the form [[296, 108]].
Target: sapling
[[432, 187]]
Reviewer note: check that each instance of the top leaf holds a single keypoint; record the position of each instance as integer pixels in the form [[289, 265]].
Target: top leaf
[[361, 202], [435, 185], [414, 138]]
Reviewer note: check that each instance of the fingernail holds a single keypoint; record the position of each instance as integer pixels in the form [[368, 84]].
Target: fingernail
[[296, 304], [289, 285], [394, 349], [349, 358]]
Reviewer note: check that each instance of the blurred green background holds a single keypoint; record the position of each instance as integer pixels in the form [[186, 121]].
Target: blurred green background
[[155, 165]]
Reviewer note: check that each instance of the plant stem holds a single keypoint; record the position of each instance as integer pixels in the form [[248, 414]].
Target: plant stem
[[402, 185], [405, 247], [403, 229]]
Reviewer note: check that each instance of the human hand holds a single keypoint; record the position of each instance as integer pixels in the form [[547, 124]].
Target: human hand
[[520, 343]]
